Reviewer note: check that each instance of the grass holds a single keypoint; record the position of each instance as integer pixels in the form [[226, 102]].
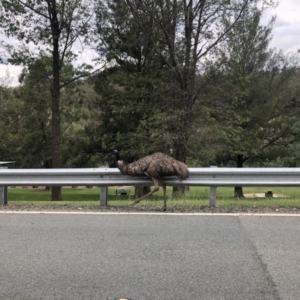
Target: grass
[[195, 197]]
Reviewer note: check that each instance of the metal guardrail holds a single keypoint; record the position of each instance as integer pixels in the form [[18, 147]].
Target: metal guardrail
[[104, 177]]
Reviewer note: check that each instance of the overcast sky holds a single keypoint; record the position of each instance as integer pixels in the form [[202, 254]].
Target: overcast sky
[[286, 34], [286, 31]]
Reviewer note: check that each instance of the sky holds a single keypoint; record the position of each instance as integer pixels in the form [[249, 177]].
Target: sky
[[286, 30], [286, 36]]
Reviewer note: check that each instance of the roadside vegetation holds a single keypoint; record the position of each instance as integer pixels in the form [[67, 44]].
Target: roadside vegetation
[[196, 80], [195, 198]]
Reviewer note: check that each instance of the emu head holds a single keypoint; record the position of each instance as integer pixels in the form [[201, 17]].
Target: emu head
[[120, 163], [116, 154]]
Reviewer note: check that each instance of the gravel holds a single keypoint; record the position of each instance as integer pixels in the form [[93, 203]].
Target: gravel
[[202, 209]]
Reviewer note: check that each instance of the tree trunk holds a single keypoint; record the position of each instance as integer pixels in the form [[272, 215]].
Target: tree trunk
[[178, 192], [141, 191], [56, 142], [238, 190], [180, 154]]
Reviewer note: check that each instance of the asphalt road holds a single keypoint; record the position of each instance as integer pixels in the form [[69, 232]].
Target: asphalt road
[[87, 257]]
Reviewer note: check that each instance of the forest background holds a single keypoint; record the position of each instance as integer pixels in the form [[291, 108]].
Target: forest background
[[194, 79]]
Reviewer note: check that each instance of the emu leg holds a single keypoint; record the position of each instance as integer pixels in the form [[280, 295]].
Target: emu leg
[[156, 188], [163, 185]]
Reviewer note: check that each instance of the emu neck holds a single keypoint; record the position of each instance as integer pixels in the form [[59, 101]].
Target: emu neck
[[122, 167], [117, 156]]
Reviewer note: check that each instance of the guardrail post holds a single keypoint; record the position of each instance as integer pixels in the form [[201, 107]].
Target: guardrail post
[[212, 194], [3, 195], [3, 192], [103, 196], [103, 192]]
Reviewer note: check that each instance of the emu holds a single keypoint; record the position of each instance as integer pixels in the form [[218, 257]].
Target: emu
[[154, 166]]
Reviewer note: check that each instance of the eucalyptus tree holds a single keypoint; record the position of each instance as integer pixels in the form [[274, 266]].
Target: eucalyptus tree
[[43, 28]]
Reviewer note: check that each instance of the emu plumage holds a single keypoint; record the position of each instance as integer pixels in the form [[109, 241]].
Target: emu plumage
[[154, 166]]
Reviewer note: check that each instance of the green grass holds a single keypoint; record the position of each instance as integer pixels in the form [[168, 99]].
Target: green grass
[[195, 197]]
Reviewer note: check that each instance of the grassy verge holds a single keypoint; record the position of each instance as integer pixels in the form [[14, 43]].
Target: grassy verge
[[196, 197]]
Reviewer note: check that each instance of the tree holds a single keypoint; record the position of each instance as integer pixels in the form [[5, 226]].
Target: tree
[[179, 35], [53, 27], [81, 117], [133, 93], [36, 120], [133, 90], [289, 155], [6, 98], [250, 101], [25, 130], [185, 33]]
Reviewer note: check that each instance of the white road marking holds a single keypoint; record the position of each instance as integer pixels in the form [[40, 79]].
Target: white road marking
[[147, 213]]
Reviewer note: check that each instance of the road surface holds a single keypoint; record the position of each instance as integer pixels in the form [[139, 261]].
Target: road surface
[[99, 257]]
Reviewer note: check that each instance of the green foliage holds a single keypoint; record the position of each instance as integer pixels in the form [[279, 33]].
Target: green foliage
[[195, 198], [250, 104], [81, 117], [52, 27], [158, 90], [10, 108], [158, 42], [127, 114], [26, 118]]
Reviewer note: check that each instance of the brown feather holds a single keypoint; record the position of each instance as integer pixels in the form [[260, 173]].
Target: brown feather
[[155, 165]]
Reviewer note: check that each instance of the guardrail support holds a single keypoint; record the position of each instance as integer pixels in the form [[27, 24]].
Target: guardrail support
[[3, 195], [212, 194], [103, 196], [3, 192], [103, 192]]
